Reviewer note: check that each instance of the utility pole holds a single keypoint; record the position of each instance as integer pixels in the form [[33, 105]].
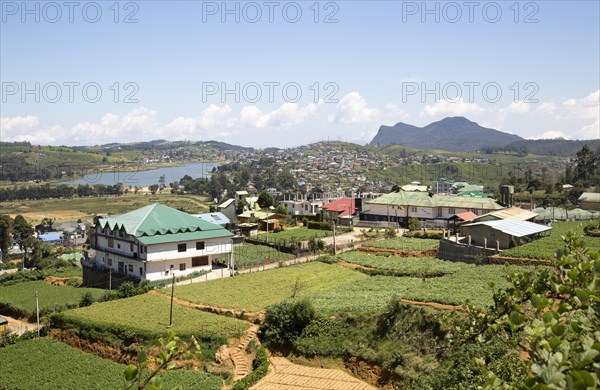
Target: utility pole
[[37, 311], [172, 293], [334, 247]]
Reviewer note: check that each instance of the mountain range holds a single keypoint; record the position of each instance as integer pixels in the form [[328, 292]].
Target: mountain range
[[455, 134]]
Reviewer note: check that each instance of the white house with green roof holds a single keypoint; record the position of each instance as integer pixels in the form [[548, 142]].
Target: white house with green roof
[[431, 209], [156, 241]]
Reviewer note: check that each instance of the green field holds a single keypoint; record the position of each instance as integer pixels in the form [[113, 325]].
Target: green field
[[48, 364], [405, 243], [299, 234], [149, 313], [467, 283], [546, 247], [248, 255], [415, 266], [72, 209], [256, 291], [21, 296]]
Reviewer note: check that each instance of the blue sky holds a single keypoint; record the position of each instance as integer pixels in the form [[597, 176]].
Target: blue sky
[[529, 68]]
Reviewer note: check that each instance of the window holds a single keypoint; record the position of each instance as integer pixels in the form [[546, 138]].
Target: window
[[131, 247], [130, 267], [143, 249], [200, 245], [413, 209], [110, 262], [181, 247], [182, 266], [111, 242], [141, 271], [119, 246], [451, 211], [199, 261], [439, 211]]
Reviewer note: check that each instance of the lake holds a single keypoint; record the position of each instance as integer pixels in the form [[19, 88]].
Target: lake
[[147, 177]]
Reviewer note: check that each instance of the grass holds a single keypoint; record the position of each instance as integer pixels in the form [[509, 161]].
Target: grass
[[546, 247], [461, 284], [21, 296], [48, 364], [72, 209], [150, 313], [248, 255], [259, 290], [300, 234], [405, 243], [409, 265]]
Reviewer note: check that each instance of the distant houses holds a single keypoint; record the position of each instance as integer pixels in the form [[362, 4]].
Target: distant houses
[[429, 209], [590, 201]]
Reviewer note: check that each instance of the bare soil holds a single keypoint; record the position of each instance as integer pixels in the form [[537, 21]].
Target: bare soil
[[61, 280]]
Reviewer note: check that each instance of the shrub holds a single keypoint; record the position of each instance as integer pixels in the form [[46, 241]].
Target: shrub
[[285, 321], [320, 225], [414, 224], [592, 230], [86, 299], [390, 232], [260, 367]]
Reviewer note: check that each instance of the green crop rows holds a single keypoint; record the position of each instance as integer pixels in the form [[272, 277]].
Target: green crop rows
[[258, 290], [546, 247], [21, 296], [48, 364], [150, 314], [467, 283], [405, 243], [248, 255], [408, 265]]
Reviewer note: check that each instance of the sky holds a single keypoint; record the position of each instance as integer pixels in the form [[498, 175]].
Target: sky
[[285, 73]]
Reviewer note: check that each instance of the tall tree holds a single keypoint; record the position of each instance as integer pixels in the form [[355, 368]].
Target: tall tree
[[22, 229], [265, 200], [586, 165], [6, 224]]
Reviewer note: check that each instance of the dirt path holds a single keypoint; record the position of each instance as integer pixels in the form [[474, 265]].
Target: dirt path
[[242, 360], [19, 326], [285, 375]]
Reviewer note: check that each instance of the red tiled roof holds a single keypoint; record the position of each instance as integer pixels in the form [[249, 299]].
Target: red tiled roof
[[344, 206], [466, 216]]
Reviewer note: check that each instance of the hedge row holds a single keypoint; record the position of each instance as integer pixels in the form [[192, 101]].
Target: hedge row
[[260, 368]]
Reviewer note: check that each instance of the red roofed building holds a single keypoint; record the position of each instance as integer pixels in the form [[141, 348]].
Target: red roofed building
[[342, 210]]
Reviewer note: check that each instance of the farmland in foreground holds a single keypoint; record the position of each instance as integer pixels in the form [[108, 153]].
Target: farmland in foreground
[[463, 283], [256, 291], [405, 243], [545, 248], [149, 313], [21, 296], [48, 364], [415, 266]]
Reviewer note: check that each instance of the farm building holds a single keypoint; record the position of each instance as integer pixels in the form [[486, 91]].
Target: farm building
[[514, 213], [562, 214], [156, 241], [501, 233], [430, 209], [262, 217], [590, 201]]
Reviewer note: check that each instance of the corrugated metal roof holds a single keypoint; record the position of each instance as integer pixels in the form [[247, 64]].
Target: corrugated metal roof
[[590, 197], [514, 213], [188, 236], [423, 199], [216, 218], [512, 227], [162, 221], [226, 203]]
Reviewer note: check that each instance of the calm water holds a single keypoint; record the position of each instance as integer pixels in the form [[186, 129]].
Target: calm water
[[146, 178]]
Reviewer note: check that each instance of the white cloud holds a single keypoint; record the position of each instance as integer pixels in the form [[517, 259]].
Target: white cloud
[[518, 107], [448, 108], [550, 135], [545, 108], [353, 108]]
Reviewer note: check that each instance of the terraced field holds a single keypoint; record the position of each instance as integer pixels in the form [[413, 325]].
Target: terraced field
[[48, 364]]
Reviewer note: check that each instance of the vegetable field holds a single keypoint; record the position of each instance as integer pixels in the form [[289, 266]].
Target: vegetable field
[[150, 314], [248, 255], [405, 243], [409, 265], [466, 283], [546, 247], [256, 291], [299, 234], [21, 296], [48, 364]]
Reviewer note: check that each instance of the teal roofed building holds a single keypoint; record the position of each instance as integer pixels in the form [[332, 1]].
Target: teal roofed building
[[156, 242]]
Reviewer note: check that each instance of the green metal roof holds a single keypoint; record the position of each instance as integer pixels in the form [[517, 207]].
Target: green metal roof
[[404, 198], [158, 223]]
